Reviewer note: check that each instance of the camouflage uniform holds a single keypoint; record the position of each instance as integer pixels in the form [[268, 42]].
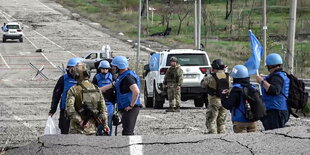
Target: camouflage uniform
[[173, 79], [216, 113], [95, 102]]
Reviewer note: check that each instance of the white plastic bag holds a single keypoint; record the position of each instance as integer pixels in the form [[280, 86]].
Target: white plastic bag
[[50, 128]]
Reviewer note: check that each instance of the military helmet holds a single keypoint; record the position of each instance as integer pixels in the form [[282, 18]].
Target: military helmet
[[120, 62], [73, 62], [239, 71], [218, 64], [104, 64], [173, 59], [273, 59], [81, 71]]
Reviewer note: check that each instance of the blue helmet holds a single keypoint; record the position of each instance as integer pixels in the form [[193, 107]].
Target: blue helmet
[[73, 62], [120, 62], [240, 71], [104, 64], [273, 59]]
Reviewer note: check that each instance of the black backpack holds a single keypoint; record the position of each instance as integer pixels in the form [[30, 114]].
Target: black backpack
[[254, 108], [221, 84], [297, 97]]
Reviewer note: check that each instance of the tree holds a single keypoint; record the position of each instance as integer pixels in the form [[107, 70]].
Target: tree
[[228, 12], [182, 12]]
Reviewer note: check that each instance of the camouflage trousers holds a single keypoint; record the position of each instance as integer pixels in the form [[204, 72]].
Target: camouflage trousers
[[174, 95], [215, 116], [75, 128]]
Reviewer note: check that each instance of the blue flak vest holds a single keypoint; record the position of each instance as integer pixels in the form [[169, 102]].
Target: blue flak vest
[[123, 100], [238, 113], [278, 102], [104, 80], [68, 83]]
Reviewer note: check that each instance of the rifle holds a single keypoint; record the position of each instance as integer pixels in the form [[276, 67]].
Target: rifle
[[90, 114]]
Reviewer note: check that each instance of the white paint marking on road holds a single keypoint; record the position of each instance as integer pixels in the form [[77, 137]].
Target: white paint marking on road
[[49, 60], [148, 116], [36, 47], [29, 41], [53, 42], [47, 6], [3, 13], [193, 128], [4, 61], [135, 145]]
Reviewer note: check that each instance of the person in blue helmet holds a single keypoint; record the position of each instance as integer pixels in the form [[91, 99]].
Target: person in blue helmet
[[235, 102], [127, 88], [102, 79], [62, 86], [274, 87], [4, 28]]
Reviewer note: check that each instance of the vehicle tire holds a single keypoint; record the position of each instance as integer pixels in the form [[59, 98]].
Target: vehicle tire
[[158, 104], [3, 39], [21, 39], [198, 102], [148, 101]]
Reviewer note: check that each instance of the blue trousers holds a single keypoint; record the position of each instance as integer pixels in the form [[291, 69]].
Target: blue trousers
[[110, 110], [275, 119]]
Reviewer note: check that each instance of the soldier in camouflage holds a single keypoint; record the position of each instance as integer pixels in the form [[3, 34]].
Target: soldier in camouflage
[[173, 81], [84, 101], [216, 113]]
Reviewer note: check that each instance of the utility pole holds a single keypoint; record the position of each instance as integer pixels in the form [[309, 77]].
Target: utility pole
[[147, 16], [291, 38], [196, 25], [265, 29], [199, 25], [139, 36]]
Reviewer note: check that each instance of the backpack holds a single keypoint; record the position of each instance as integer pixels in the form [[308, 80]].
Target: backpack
[[297, 97], [92, 98], [254, 108], [221, 84]]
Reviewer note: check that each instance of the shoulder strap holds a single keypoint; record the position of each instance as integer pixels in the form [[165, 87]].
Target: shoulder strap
[[215, 77], [227, 77]]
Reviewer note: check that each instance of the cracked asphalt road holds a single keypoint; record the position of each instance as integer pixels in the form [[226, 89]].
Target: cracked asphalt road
[[282, 141], [25, 103]]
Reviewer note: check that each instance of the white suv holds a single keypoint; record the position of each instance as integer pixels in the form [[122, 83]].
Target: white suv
[[194, 63], [14, 31]]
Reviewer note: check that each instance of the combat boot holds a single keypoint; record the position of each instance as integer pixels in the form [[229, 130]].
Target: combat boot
[[170, 109], [177, 109]]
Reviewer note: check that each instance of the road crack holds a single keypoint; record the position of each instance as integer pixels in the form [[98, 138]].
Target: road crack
[[245, 146], [287, 135]]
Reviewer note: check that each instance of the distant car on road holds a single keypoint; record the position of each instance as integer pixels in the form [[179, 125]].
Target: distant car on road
[[14, 31], [194, 63], [91, 58], [95, 56]]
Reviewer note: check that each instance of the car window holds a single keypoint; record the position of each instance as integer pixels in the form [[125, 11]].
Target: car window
[[88, 57], [189, 59], [93, 56], [12, 26]]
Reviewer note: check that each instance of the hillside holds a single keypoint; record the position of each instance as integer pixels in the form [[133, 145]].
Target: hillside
[[223, 38]]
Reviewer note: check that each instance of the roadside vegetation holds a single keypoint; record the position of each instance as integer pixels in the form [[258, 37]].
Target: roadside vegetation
[[225, 25]]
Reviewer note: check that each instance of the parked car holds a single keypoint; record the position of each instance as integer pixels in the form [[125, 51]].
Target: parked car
[[96, 56], [14, 31], [194, 63]]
